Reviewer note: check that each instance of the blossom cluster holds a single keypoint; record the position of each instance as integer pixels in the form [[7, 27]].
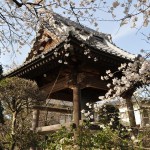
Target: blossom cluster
[[141, 9], [134, 75]]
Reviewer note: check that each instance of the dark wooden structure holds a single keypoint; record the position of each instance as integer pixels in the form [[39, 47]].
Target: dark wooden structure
[[67, 61]]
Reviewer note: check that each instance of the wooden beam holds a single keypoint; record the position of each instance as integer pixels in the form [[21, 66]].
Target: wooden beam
[[52, 109], [56, 127], [52, 128], [56, 86], [93, 81], [65, 95]]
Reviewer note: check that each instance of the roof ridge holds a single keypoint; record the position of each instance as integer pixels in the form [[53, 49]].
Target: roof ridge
[[70, 22], [108, 37]]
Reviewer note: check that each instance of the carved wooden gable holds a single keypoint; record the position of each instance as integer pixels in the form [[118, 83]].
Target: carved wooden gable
[[45, 40]]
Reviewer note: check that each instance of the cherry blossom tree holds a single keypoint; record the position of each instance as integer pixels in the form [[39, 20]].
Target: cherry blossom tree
[[134, 76]]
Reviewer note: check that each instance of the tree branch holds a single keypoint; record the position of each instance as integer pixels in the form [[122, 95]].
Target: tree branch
[[18, 3]]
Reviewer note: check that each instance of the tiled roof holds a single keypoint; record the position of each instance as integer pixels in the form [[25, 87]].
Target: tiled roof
[[76, 25], [64, 25], [61, 27]]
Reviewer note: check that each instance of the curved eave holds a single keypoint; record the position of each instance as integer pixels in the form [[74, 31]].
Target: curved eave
[[103, 51], [121, 51], [34, 63], [39, 61]]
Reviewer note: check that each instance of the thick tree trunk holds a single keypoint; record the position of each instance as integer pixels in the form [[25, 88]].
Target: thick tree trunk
[[131, 114], [128, 95]]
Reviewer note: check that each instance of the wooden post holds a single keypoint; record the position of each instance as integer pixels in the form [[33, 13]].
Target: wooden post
[[76, 101], [35, 124], [35, 119], [76, 96], [76, 104]]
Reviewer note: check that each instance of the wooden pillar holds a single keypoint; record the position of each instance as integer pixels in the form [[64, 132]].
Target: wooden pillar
[[76, 95], [76, 104], [35, 119]]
